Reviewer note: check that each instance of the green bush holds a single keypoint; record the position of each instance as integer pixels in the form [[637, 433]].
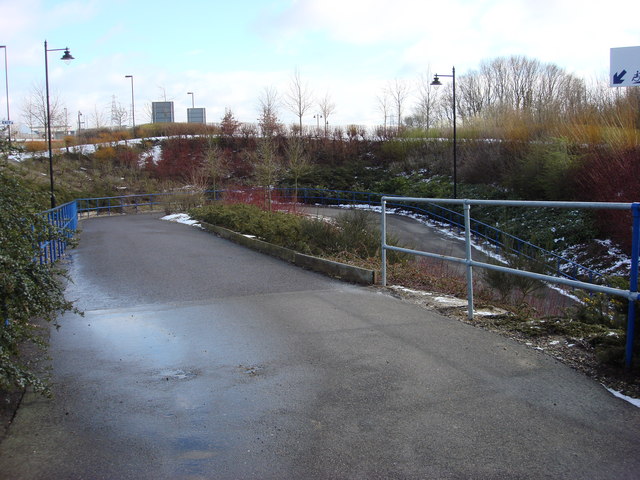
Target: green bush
[[273, 227], [28, 291], [352, 232]]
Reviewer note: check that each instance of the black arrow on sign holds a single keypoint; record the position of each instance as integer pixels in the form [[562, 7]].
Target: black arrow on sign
[[617, 77]]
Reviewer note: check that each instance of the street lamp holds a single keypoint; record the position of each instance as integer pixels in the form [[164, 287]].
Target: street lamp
[[193, 103], [6, 83], [133, 108], [79, 121], [66, 57], [436, 83]]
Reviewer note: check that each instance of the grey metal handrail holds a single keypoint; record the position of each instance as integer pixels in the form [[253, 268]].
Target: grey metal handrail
[[631, 295]]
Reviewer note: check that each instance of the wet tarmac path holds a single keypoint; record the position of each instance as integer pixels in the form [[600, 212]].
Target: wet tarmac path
[[199, 359]]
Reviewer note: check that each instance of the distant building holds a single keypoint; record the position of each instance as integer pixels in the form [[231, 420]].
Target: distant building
[[196, 115], [162, 112]]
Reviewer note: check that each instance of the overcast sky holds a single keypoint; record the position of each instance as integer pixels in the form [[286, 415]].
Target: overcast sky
[[227, 51]]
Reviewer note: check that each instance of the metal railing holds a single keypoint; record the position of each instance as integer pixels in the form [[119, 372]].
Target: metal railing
[[483, 233], [64, 222], [631, 295], [119, 204]]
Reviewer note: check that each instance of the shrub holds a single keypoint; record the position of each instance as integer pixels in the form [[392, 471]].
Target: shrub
[[607, 176], [352, 232], [28, 290]]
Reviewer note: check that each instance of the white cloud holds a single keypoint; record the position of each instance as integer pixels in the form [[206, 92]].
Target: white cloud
[[348, 48]]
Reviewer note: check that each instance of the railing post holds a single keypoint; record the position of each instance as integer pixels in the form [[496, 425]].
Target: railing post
[[467, 240], [383, 243], [633, 284]]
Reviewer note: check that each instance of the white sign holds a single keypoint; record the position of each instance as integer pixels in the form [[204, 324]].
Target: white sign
[[625, 67]]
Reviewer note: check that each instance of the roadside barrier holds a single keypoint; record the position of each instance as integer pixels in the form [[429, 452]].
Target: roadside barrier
[[631, 295], [64, 222]]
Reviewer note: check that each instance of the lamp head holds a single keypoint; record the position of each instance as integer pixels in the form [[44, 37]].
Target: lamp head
[[66, 57], [436, 81]]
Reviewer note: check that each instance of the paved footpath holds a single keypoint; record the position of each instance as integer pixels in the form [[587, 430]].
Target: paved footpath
[[199, 359]]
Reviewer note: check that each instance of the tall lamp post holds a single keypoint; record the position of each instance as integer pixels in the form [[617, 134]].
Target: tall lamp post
[[436, 83], [133, 108], [193, 103], [67, 58], [6, 84]]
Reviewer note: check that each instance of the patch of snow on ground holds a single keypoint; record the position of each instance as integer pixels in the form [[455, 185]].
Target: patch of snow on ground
[[409, 290], [451, 301], [90, 148], [633, 401], [181, 218]]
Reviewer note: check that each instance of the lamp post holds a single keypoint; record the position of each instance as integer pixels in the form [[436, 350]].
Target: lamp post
[[79, 121], [6, 83], [133, 107], [193, 103], [436, 83], [67, 58]]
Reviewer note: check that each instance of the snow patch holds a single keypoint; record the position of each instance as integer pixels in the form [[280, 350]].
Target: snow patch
[[181, 218], [631, 400]]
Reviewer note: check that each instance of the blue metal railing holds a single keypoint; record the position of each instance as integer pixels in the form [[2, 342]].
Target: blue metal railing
[[64, 222], [114, 205]]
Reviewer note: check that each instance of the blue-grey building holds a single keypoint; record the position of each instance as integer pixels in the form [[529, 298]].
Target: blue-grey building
[[196, 115], [162, 112]]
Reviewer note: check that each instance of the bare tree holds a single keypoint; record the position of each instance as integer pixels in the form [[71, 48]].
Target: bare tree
[[269, 102], [299, 98], [267, 166], [297, 161], [426, 107], [98, 117], [35, 110], [327, 108], [214, 163], [471, 97], [524, 74], [384, 106], [119, 113], [399, 92]]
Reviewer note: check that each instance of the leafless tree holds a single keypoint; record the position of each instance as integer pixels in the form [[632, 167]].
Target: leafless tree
[[521, 86], [35, 110], [299, 98], [399, 92], [384, 106], [214, 163], [524, 74], [119, 114], [297, 161], [470, 96], [327, 108], [268, 103], [267, 166], [98, 117], [425, 110]]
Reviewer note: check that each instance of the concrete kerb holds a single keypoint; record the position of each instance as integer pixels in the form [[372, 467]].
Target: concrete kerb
[[339, 270]]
